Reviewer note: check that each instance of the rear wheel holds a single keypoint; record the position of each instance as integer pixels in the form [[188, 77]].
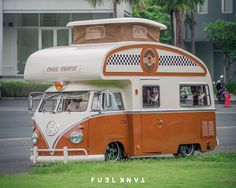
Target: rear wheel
[[186, 150], [113, 152], [222, 97]]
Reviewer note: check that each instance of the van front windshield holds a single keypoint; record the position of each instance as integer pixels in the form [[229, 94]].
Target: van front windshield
[[65, 102]]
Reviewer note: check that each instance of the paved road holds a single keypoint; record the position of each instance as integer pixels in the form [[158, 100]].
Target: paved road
[[15, 133], [226, 127]]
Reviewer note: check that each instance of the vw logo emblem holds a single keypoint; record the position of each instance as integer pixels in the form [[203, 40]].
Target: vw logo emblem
[[52, 128]]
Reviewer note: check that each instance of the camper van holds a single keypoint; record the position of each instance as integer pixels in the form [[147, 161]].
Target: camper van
[[118, 92]]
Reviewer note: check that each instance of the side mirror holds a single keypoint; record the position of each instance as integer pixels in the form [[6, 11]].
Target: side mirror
[[34, 97]]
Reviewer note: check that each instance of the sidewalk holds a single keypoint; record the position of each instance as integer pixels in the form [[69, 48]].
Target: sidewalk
[[233, 98]]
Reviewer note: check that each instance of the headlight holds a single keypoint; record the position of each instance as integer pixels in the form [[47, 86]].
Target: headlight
[[34, 138], [76, 137]]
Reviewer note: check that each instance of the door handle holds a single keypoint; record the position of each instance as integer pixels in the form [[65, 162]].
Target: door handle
[[159, 122], [123, 121]]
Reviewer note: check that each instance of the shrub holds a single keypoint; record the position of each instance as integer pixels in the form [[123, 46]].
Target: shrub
[[20, 89], [231, 87]]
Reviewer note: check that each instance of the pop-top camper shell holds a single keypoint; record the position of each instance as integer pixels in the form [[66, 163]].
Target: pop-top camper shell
[[122, 55]]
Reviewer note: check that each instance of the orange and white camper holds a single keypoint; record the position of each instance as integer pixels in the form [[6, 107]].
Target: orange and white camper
[[117, 93]]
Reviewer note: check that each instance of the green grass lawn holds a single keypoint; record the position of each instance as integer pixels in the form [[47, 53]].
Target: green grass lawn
[[211, 170]]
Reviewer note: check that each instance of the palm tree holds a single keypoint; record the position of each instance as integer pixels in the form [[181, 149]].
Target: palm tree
[[192, 22], [177, 9], [169, 6], [115, 3]]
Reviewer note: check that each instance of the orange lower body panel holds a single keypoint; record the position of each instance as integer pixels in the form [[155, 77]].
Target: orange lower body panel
[[140, 134]]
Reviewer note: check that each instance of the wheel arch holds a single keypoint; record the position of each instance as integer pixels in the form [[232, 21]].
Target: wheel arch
[[120, 143]]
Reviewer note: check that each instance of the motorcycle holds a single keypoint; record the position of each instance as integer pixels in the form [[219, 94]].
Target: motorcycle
[[221, 90]]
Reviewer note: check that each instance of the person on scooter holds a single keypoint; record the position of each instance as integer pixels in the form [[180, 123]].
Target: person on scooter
[[221, 89]]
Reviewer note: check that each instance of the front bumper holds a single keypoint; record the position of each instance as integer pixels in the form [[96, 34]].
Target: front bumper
[[35, 158]]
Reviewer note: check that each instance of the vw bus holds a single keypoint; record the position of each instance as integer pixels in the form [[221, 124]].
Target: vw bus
[[118, 92]]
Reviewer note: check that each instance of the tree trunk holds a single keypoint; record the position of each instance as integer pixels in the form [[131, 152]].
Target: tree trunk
[[179, 29], [172, 27], [227, 68], [192, 32], [114, 9]]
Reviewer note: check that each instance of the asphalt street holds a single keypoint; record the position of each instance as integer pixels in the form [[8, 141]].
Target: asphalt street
[[15, 133]]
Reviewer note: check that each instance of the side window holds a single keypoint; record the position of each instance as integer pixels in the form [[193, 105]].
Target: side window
[[113, 101], [151, 96], [194, 95], [49, 102], [48, 105], [97, 102], [107, 101]]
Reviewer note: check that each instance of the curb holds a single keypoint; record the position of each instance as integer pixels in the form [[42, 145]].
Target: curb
[[14, 98]]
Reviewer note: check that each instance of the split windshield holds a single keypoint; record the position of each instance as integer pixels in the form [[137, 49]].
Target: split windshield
[[65, 102]]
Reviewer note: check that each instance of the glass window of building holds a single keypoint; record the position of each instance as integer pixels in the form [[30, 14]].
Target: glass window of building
[[203, 9], [102, 15], [81, 16], [54, 20], [90, 16], [47, 38], [27, 43], [227, 6], [62, 37], [27, 20]]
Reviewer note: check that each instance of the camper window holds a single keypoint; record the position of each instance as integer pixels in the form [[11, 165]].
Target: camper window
[[194, 95], [151, 96]]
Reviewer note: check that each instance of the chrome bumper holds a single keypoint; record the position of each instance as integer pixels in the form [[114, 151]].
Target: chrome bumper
[[35, 158], [217, 141]]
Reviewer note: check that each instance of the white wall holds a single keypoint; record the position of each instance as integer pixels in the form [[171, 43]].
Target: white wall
[[21, 6]]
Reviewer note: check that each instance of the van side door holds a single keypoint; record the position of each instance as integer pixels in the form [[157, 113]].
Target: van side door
[[152, 122], [108, 121]]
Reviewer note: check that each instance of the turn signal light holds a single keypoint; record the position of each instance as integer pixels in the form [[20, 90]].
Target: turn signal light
[[34, 127], [59, 85]]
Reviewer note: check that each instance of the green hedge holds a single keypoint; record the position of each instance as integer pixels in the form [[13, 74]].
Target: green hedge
[[231, 87], [20, 89]]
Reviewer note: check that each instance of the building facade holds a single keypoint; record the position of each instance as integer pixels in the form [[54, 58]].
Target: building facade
[[211, 54], [29, 25]]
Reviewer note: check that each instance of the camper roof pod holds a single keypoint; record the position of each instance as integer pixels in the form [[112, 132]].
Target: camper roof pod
[[116, 30]]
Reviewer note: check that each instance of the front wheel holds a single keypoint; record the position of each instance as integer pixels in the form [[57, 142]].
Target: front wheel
[[186, 150], [113, 152]]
